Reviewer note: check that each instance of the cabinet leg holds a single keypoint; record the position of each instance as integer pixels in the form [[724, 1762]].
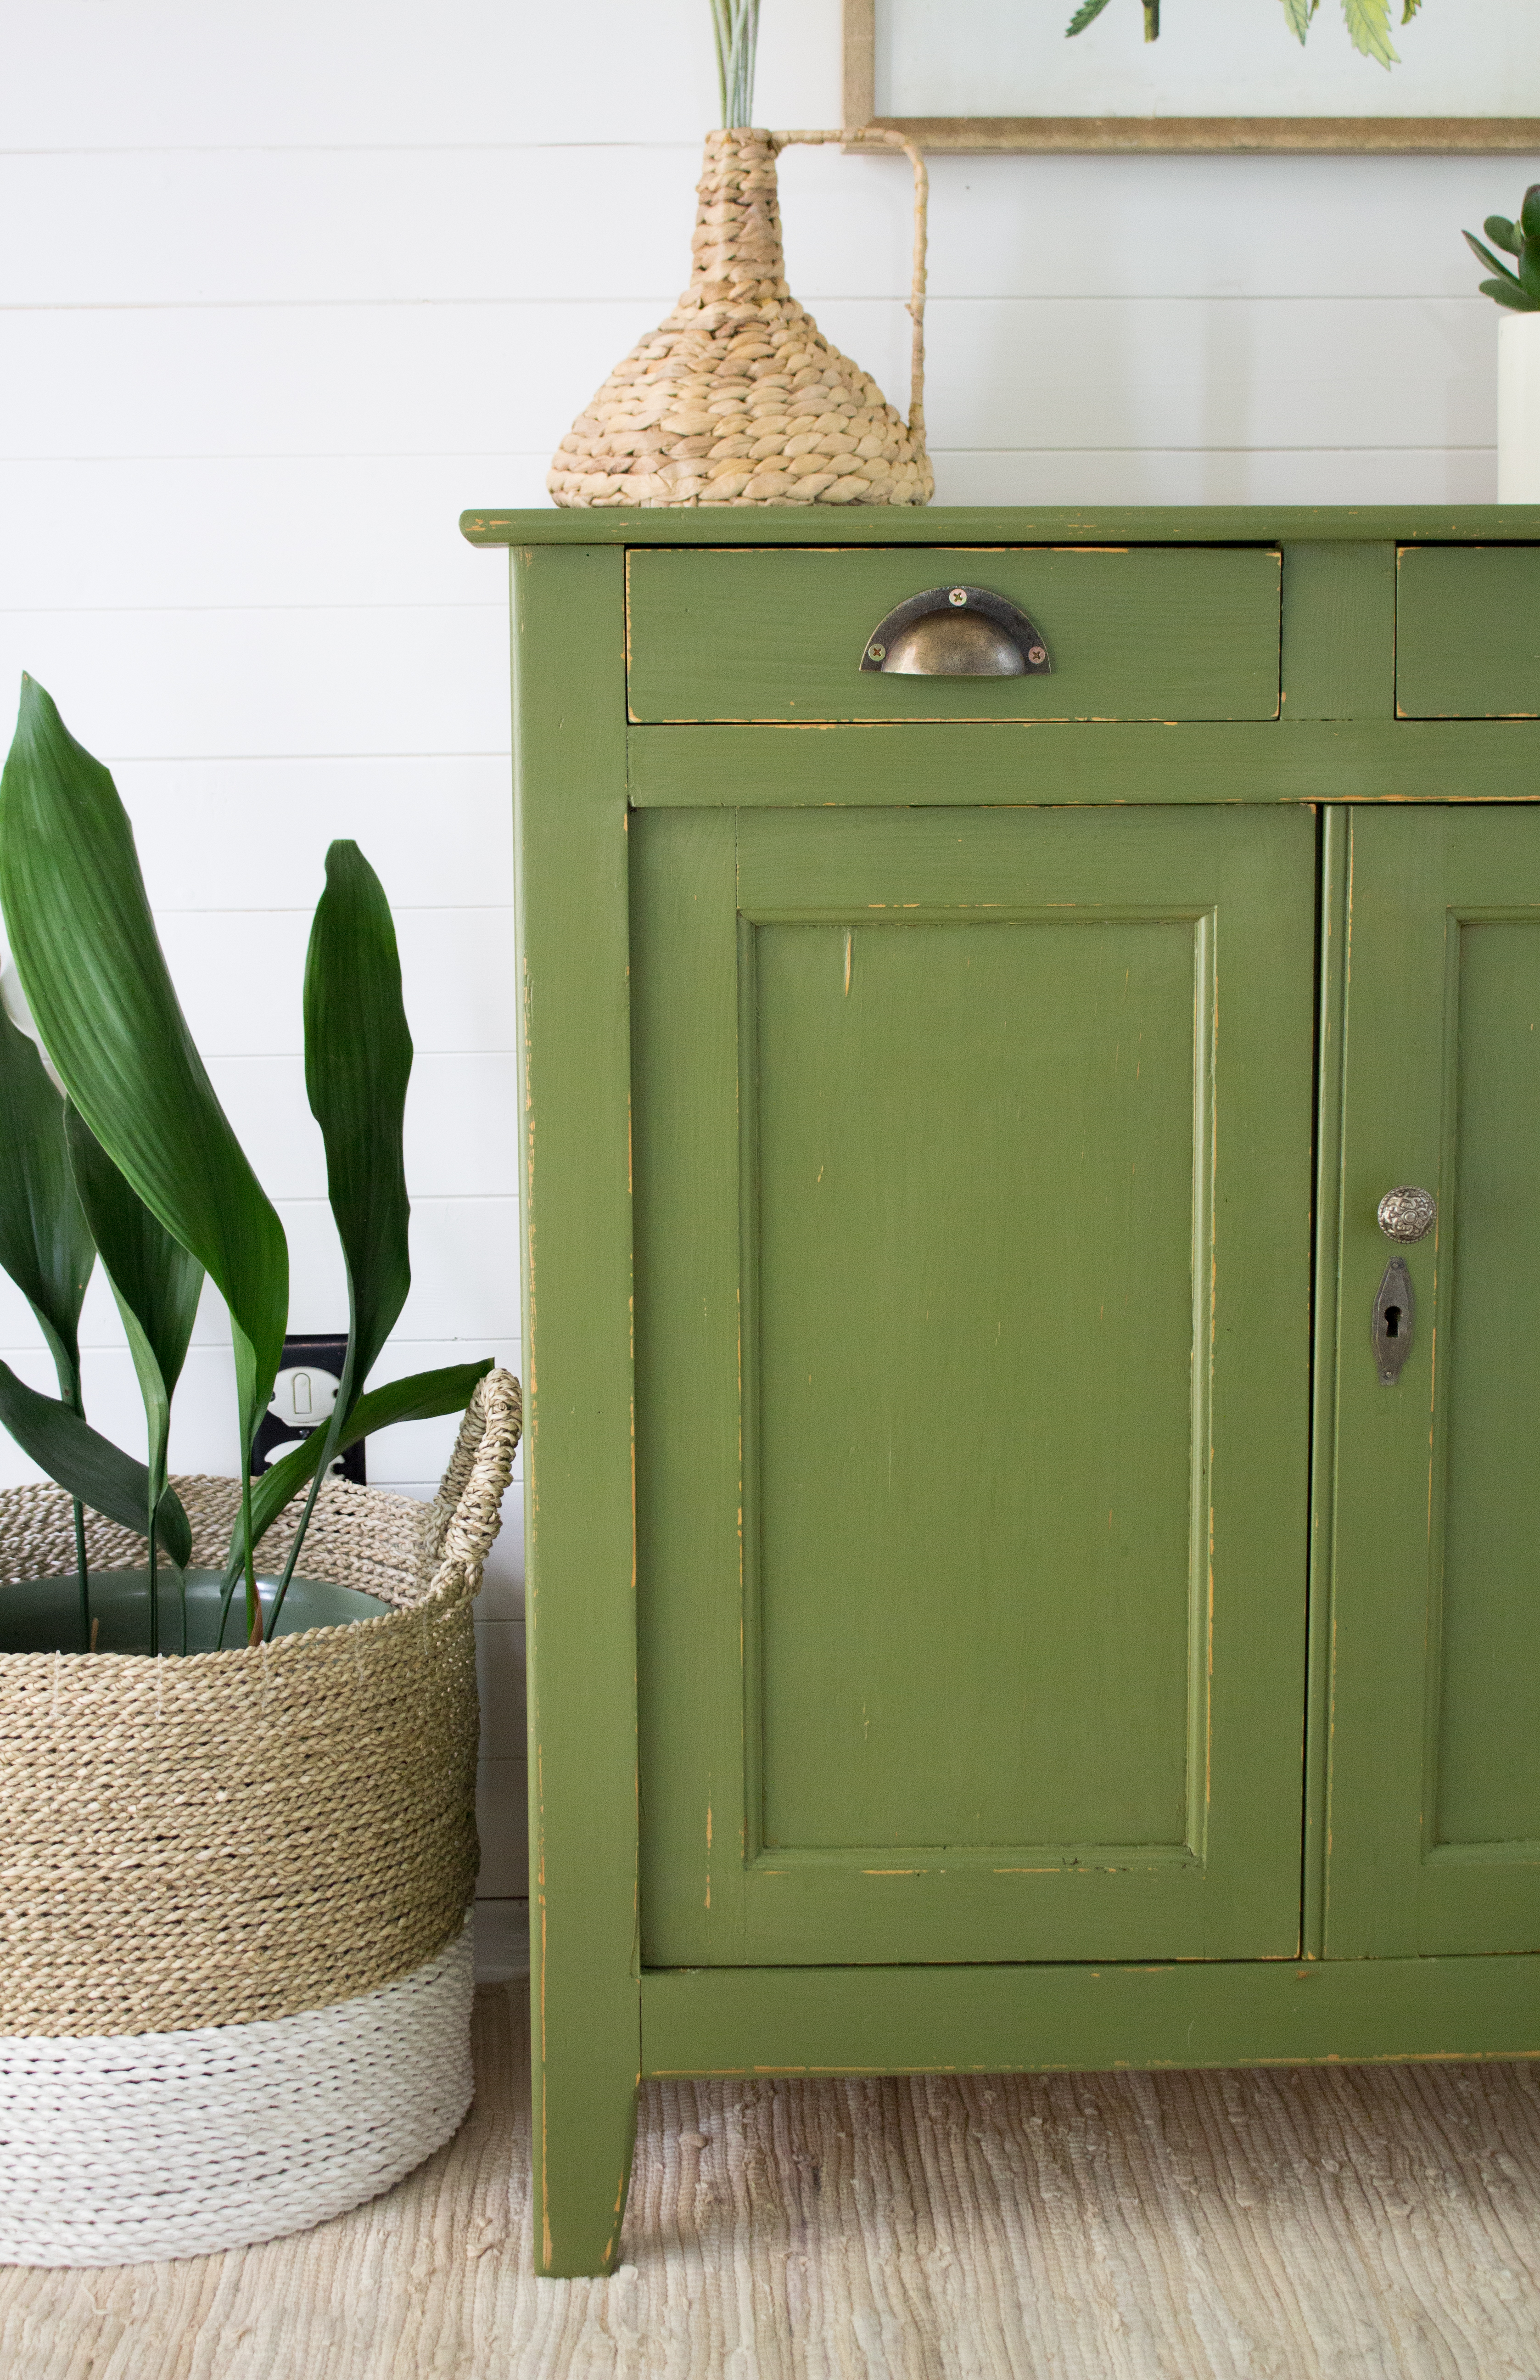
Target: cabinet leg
[[584, 2112]]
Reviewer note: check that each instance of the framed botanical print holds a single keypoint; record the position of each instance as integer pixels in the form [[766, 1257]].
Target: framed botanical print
[[1196, 74]]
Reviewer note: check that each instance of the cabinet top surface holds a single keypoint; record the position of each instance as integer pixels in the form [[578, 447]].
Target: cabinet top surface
[[818, 525]]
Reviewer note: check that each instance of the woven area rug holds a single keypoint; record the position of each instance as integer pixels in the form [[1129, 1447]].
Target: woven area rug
[[1356, 2224]]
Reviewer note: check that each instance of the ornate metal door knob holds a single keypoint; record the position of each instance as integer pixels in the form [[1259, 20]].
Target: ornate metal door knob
[[1407, 1213]]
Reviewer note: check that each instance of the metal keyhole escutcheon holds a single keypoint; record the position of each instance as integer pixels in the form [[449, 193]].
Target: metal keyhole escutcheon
[[1395, 1312]]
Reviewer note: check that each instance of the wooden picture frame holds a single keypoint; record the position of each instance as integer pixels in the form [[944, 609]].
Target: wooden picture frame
[[1384, 135]]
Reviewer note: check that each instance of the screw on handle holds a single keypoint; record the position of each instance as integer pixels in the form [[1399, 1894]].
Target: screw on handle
[[1407, 1213]]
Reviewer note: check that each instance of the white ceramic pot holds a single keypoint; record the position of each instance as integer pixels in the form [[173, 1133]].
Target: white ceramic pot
[[1519, 409]]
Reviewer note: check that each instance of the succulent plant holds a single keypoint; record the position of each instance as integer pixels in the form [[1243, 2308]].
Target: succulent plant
[[1521, 239]]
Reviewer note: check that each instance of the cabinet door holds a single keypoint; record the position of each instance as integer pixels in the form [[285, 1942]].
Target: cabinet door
[[973, 1203], [1433, 1774]]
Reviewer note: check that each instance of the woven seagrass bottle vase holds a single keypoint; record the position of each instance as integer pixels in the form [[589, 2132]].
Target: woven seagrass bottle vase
[[737, 397]]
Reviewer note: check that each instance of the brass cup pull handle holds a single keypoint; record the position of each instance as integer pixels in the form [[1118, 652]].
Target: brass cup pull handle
[[956, 632], [1407, 1213]]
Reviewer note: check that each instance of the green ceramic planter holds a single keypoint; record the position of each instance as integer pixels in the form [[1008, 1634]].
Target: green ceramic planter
[[43, 1615]]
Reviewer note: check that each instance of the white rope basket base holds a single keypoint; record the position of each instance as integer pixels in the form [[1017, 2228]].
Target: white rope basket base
[[115, 2148]]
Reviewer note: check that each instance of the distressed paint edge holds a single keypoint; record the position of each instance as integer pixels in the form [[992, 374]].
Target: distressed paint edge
[[1331, 998], [997, 524]]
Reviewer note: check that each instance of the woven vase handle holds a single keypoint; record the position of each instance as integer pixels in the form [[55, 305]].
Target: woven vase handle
[[871, 136], [465, 1516]]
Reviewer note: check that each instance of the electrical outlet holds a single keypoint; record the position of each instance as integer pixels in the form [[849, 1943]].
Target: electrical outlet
[[303, 1396]]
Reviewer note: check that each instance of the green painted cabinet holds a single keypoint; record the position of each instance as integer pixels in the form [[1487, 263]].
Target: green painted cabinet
[[1023, 1570]]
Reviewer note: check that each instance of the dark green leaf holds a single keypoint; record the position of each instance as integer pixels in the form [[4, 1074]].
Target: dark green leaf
[[87, 1465], [358, 1061], [1507, 292], [1529, 268], [45, 1243], [1086, 13], [153, 1279], [423, 1397], [1529, 214], [97, 982], [1501, 233], [1494, 263]]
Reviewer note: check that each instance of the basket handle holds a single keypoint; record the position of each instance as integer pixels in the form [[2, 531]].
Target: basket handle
[[871, 136], [465, 1516]]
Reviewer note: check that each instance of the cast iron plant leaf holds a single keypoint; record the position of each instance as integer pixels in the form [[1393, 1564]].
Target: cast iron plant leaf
[[424, 1396], [89, 1465], [156, 1284], [97, 982], [46, 1244], [358, 1064]]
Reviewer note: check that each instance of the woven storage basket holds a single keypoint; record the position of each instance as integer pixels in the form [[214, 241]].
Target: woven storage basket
[[737, 397], [234, 1950]]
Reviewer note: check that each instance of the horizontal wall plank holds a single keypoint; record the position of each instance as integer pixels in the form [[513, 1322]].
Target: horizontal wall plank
[[337, 379], [227, 531], [1218, 475], [1028, 372], [467, 72], [437, 827], [501, 1819], [1046, 762], [461, 1131], [501, 1938], [239, 975], [500, 1678], [165, 684], [269, 225], [472, 73], [465, 1269], [259, 530], [465, 1281]]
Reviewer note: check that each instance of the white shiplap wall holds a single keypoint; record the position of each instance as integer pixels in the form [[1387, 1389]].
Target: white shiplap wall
[[284, 289]]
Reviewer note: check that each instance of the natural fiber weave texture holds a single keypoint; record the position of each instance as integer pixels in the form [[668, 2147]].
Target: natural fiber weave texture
[[140, 2145], [241, 1835], [1344, 2223], [737, 397]]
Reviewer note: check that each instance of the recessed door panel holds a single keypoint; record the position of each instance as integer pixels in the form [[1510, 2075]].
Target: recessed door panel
[[1435, 1776], [1489, 1741], [972, 1326], [978, 1580]]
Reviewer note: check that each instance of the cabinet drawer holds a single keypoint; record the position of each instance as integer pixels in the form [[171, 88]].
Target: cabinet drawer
[[1468, 632], [779, 633]]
